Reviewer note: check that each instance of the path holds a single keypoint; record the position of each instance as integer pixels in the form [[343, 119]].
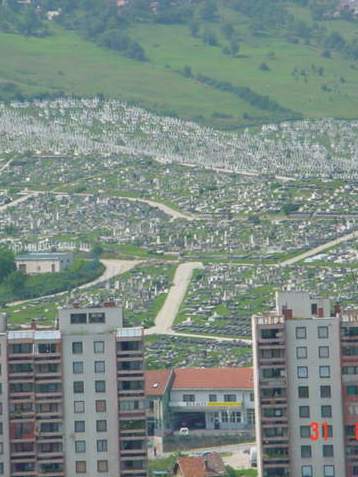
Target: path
[[112, 269], [18, 201], [6, 165], [319, 249], [174, 214], [167, 314]]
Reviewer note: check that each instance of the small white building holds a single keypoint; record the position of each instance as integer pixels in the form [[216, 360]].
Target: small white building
[[43, 262]]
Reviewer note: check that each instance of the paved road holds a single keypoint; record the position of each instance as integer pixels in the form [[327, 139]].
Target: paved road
[[113, 268], [166, 316], [319, 249]]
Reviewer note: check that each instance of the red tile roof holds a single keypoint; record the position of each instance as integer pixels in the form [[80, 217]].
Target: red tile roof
[[156, 381], [210, 465], [213, 378]]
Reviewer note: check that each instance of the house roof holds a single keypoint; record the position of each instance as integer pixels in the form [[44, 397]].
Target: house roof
[[210, 465], [156, 382], [213, 378], [42, 256]]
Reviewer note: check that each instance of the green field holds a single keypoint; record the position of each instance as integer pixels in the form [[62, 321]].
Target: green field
[[64, 62]]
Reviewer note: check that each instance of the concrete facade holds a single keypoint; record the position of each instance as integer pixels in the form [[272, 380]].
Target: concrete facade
[[34, 263], [73, 398], [304, 374]]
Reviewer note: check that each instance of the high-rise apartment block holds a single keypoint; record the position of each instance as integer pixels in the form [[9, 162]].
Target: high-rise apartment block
[[306, 388], [72, 398]]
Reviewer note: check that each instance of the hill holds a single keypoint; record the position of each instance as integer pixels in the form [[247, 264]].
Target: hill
[[220, 62]]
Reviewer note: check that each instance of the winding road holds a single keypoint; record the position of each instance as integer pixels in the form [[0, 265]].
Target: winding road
[[113, 268]]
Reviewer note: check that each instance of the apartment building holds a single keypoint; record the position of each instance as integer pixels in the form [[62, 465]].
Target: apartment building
[[72, 398], [306, 388]]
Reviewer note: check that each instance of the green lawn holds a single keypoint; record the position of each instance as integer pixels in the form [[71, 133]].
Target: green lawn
[[65, 62], [172, 45]]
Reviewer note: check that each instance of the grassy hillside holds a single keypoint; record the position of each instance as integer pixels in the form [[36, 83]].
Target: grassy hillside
[[186, 76]]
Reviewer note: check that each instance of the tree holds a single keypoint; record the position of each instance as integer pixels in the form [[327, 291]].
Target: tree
[[7, 263], [209, 38], [187, 72], [209, 11], [96, 251], [16, 282]]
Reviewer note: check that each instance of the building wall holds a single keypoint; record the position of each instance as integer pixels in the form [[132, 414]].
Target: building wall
[[89, 357], [314, 381], [213, 412], [4, 404], [45, 266]]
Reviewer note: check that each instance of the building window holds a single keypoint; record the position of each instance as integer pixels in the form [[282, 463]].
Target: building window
[[327, 450], [99, 367], [306, 452], [303, 392], [323, 352], [1, 448], [98, 346], [305, 432], [324, 372], [101, 425], [96, 317], [250, 416], [78, 387], [188, 397], [229, 397], [77, 367], [45, 348], [79, 407], [1, 409], [323, 332], [224, 416], [80, 426], [325, 391], [81, 467], [328, 471], [80, 447], [1, 468], [301, 332], [102, 445], [252, 397], [213, 398], [78, 318], [302, 372], [326, 411], [101, 405], [352, 390], [304, 411], [301, 352], [306, 471], [100, 386], [102, 465], [77, 347]]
